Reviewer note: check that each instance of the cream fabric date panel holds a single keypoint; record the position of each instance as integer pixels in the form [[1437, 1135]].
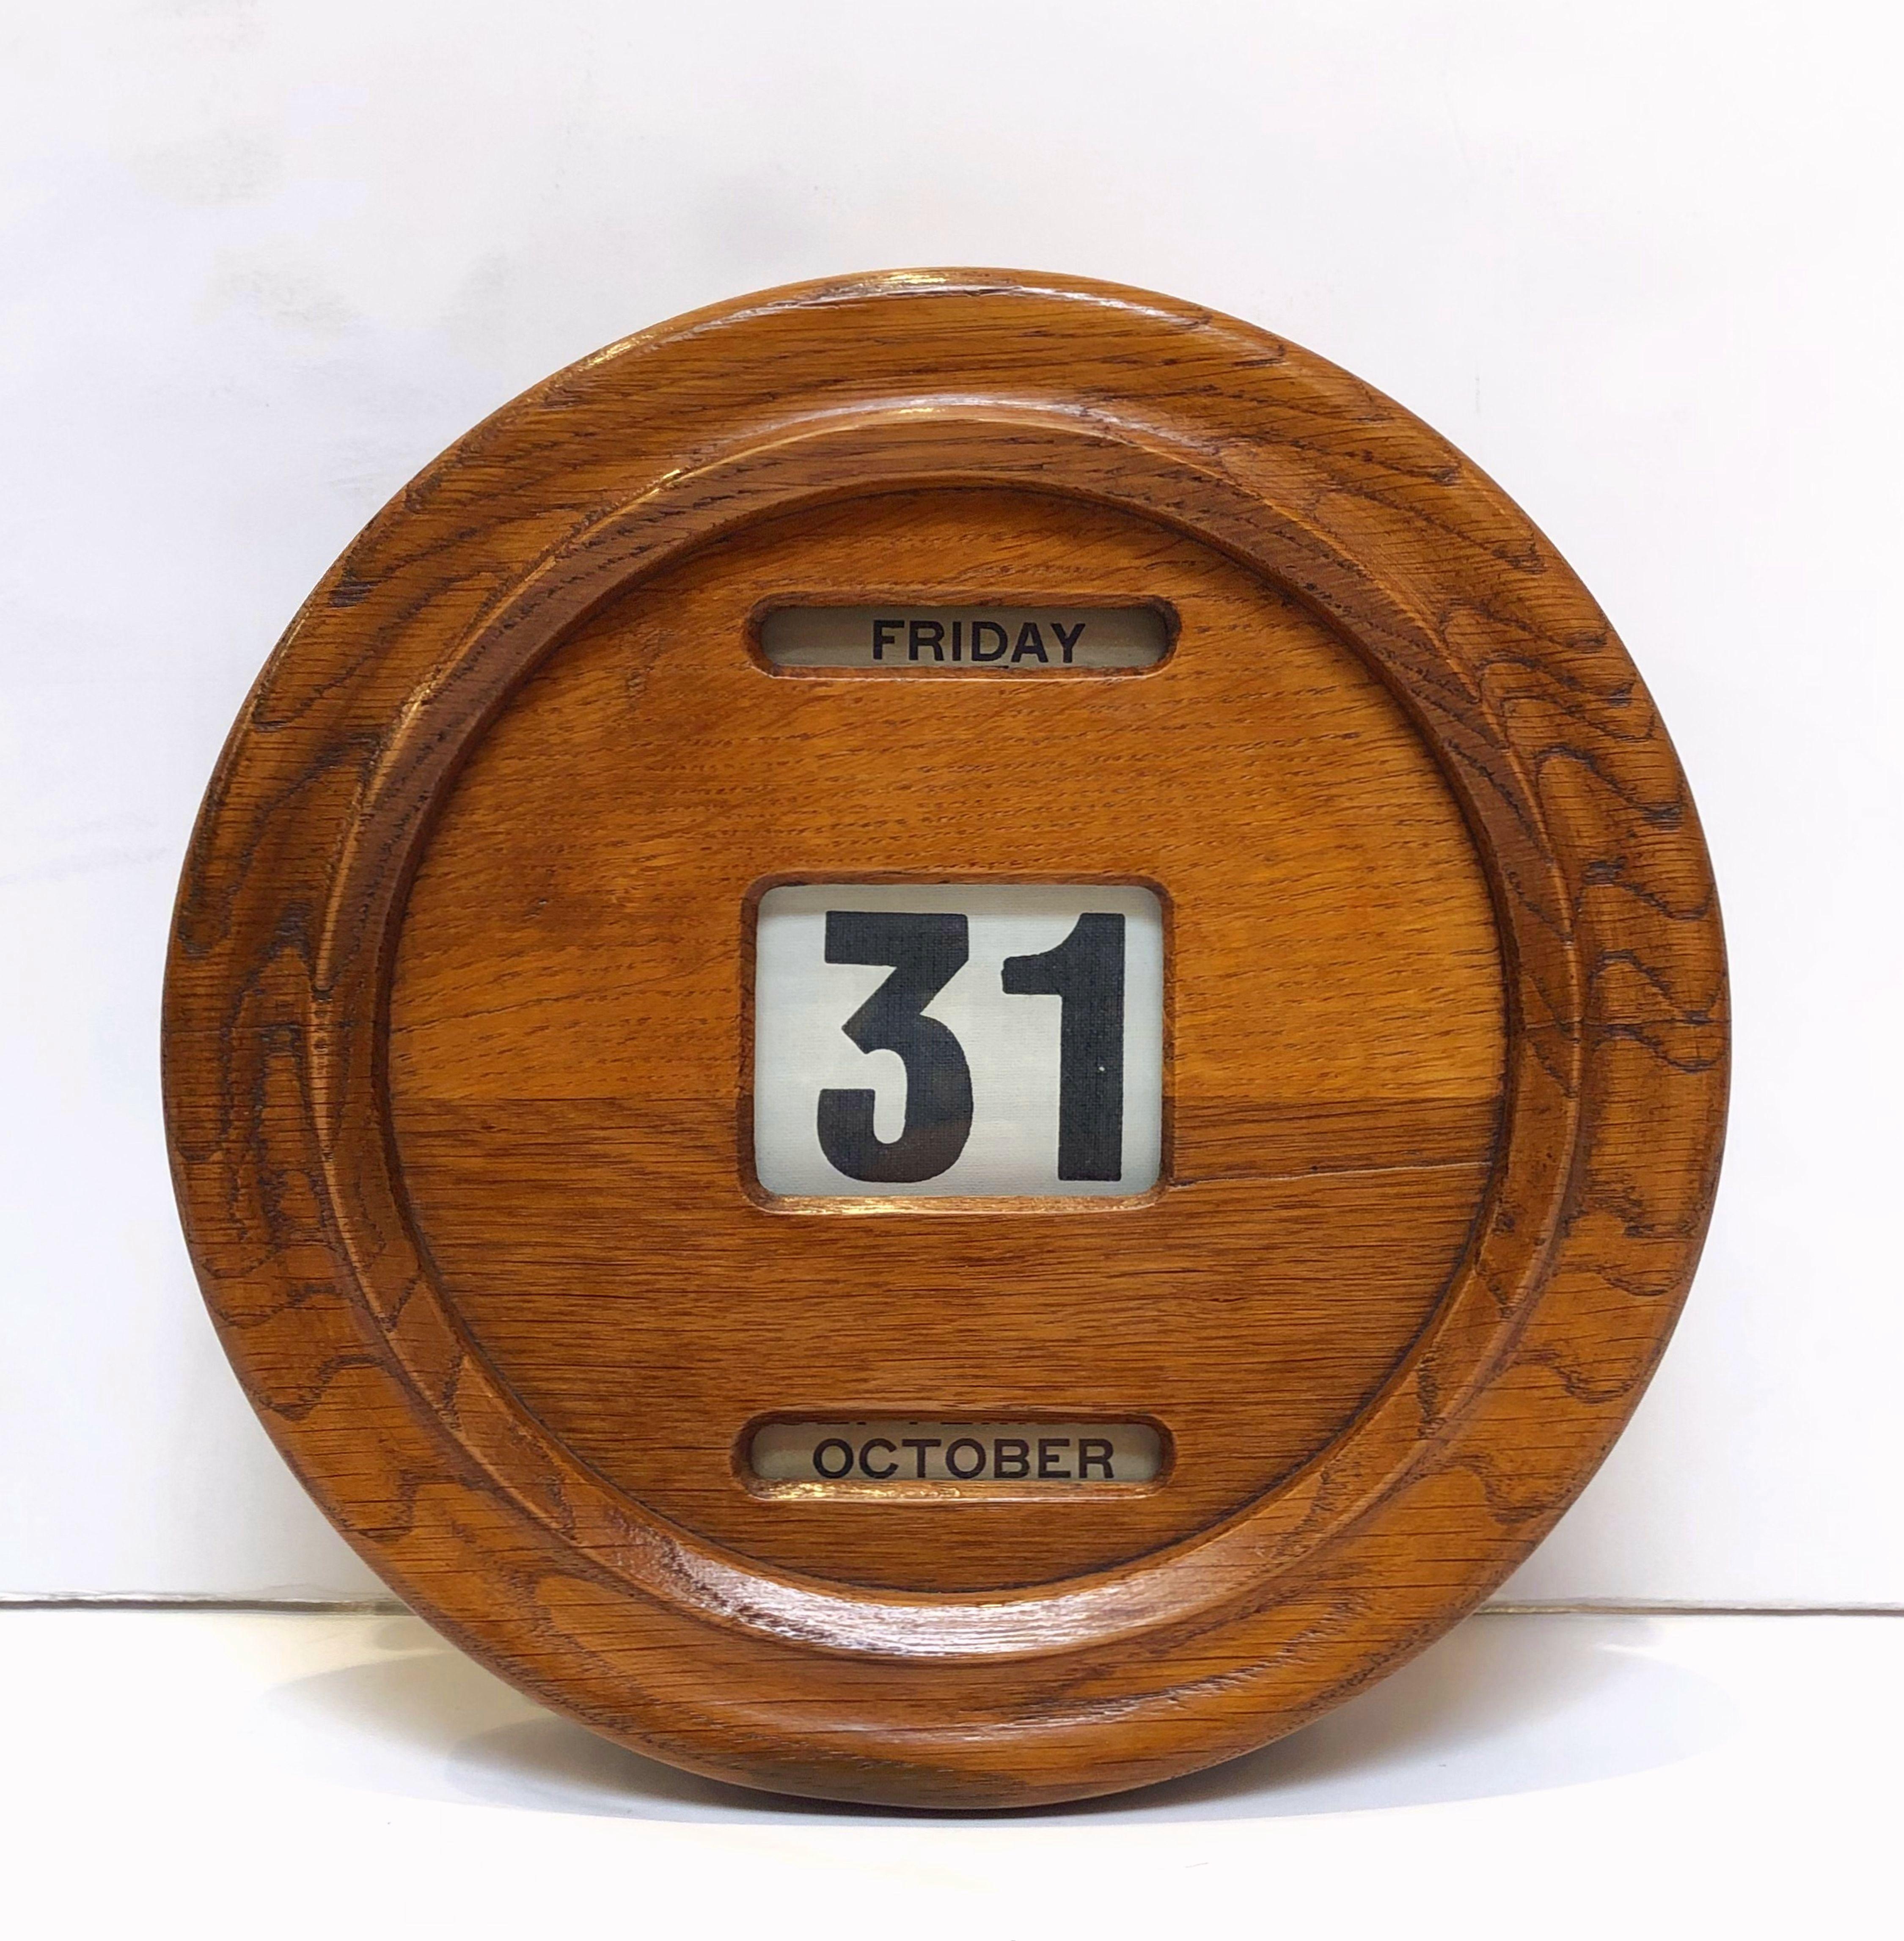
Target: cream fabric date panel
[[1009, 639], [1017, 1036]]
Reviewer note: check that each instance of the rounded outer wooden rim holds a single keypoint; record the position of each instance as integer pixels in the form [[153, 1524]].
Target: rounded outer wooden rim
[[274, 1047]]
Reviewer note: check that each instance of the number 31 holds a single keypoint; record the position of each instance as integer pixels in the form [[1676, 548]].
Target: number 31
[[927, 950]]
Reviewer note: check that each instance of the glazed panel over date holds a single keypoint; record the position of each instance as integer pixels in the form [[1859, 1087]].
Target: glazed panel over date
[[568, 1036]]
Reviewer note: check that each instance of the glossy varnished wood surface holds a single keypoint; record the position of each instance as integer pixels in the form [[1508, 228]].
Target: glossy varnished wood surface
[[567, 1037], [401, 1112]]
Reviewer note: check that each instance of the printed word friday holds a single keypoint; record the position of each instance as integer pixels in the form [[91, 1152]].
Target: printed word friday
[[989, 641]]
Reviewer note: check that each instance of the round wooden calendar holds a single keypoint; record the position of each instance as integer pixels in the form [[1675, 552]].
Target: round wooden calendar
[[949, 1039]]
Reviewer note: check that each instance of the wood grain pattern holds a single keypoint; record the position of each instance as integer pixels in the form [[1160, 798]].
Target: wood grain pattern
[[455, 1037], [566, 1031]]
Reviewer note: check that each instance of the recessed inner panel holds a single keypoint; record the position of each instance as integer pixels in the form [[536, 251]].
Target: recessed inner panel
[[1311, 1055]]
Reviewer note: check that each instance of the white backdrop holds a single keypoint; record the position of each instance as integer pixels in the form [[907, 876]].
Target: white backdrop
[[1641, 260]]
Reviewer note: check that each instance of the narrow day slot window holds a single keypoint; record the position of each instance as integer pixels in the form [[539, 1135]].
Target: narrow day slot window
[[899, 638]]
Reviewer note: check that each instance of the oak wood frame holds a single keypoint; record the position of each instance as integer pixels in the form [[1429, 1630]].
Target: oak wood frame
[[406, 652]]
